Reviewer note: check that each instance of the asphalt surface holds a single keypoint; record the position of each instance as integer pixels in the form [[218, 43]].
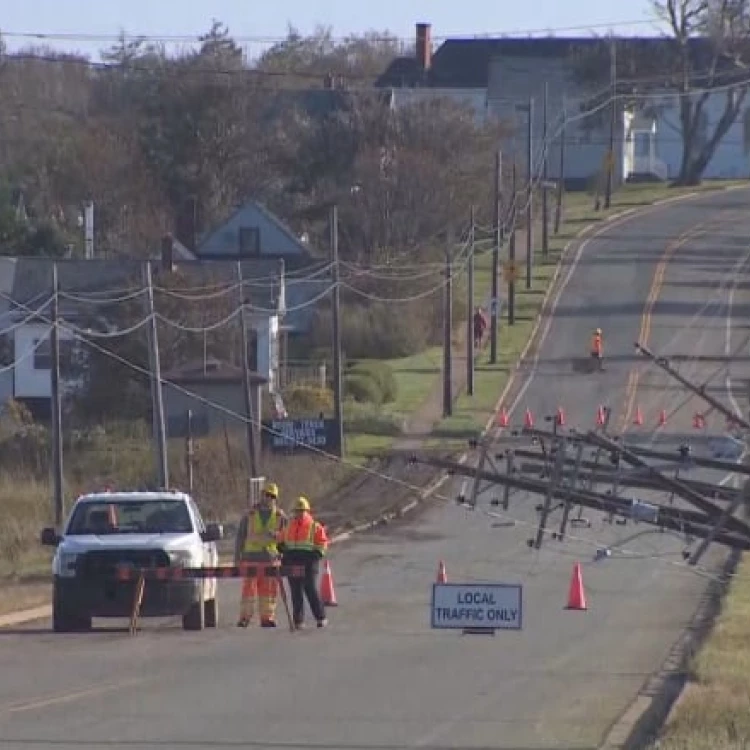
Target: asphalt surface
[[378, 677]]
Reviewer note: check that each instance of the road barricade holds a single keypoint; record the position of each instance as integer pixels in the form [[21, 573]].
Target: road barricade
[[243, 570]]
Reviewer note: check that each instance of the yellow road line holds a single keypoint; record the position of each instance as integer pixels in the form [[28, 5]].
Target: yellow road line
[[657, 283], [52, 700]]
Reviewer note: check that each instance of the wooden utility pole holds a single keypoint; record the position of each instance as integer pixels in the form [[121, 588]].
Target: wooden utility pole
[[189, 450], [612, 123], [338, 391], [561, 175], [252, 421], [57, 449], [512, 251], [495, 303], [447, 320], [530, 195], [470, 308], [545, 174], [157, 397]]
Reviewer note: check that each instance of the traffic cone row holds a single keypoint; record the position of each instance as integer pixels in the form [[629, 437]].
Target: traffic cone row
[[699, 420]]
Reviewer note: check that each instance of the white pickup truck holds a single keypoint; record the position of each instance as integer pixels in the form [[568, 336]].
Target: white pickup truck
[[106, 530]]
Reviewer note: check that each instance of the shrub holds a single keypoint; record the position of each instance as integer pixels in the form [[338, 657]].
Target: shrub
[[307, 400], [365, 418], [363, 388], [381, 373]]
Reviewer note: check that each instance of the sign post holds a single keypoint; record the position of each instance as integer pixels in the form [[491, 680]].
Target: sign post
[[477, 608]]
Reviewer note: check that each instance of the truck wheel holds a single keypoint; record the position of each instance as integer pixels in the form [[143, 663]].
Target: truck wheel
[[211, 614], [195, 617], [65, 621]]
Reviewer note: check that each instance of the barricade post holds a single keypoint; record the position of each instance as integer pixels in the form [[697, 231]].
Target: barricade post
[[243, 570]]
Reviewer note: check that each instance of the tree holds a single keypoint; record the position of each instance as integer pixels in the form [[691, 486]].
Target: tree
[[306, 61], [399, 176], [705, 60]]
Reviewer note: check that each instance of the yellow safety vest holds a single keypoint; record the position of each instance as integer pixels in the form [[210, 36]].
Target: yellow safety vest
[[257, 539]]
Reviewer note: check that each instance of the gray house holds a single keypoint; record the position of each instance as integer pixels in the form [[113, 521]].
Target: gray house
[[26, 284]]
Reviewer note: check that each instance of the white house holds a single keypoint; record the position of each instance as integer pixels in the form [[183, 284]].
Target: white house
[[497, 77]]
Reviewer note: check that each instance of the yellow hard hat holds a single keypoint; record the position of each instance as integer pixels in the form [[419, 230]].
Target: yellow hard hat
[[271, 489], [302, 503]]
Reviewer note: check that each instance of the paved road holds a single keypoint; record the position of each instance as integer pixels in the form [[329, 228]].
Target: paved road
[[378, 678]]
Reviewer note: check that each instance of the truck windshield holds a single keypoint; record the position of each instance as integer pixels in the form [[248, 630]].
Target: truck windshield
[[114, 516]]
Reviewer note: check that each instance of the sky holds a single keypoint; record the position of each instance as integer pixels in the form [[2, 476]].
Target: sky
[[255, 24]]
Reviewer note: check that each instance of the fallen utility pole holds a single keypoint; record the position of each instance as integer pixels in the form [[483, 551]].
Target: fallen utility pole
[[686, 522], [689, 460], [679, 488], [716, 492], [699, 391]]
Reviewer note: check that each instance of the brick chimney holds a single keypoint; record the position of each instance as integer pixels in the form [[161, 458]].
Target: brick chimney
[[424, 47]]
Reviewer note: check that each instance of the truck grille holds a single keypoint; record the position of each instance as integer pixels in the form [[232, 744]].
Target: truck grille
[[104, 563]]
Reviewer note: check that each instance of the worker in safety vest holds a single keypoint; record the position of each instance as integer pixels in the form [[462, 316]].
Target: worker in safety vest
[[256, 543], [303, 542], [597, 347]]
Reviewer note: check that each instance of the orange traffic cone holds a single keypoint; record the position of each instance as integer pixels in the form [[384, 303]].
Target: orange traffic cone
[[600, 416], [638, 419], [327, 594], [529, 420], [560, 416], [442, 576], [662, 417], [502, 418], [576, 594]]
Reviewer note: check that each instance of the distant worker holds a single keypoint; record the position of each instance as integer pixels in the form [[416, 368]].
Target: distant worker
[[597, 348], [257, 543], [303, 542], [480, 326]]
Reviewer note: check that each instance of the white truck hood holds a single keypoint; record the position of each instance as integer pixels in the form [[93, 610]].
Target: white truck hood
[[89, 542]]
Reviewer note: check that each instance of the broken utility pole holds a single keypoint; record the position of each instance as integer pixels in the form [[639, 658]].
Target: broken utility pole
[[699, 391]]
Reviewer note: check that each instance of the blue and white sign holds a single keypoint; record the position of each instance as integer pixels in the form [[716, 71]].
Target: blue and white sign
[[493, 606]]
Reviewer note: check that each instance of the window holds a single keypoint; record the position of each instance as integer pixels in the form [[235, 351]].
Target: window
[[249, 241], [42, 354]]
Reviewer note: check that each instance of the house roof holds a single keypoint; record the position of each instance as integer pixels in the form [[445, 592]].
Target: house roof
[[211, 371], [464, 63], [284, 228]]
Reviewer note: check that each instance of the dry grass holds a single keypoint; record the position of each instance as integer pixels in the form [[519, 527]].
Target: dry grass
[[713, 712], [124, 458]]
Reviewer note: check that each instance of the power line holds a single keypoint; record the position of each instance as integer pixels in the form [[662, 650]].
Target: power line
[[80, 36]]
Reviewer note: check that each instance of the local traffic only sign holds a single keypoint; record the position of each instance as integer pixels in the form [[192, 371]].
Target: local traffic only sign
[[477, 608]]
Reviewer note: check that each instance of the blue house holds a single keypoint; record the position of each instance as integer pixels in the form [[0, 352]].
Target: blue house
[[262, 241]]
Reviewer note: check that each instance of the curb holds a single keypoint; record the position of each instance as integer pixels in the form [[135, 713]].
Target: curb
[[45, 611]]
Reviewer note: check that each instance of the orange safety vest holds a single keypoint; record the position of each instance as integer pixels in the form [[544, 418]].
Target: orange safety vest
[[304, 534], [596, 344]]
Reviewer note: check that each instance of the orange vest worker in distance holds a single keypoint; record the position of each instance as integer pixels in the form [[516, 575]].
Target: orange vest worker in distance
[[597, 345], [302, 543]]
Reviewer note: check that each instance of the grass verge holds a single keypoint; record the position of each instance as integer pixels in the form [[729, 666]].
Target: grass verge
[[714, 708]]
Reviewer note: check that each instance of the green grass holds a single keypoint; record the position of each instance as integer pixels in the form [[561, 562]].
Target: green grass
[[713, 710]]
